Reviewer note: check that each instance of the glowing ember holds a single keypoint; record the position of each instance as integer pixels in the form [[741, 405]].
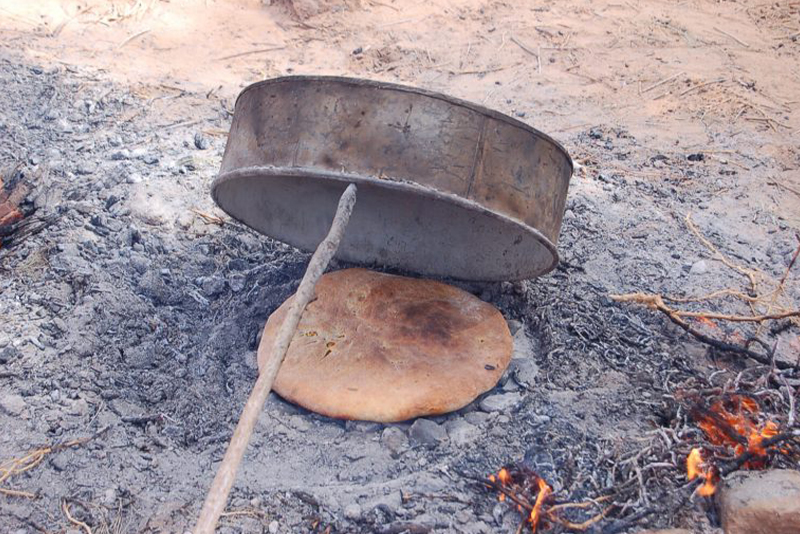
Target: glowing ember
[[707, 322], [504, 477]]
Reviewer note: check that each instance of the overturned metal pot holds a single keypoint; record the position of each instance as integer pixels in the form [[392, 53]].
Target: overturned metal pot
[[446, 187]]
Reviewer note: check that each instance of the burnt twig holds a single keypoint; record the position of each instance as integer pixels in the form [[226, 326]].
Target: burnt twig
[[748, 455], [657, 302]]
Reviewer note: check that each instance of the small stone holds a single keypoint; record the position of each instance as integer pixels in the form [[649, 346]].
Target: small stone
[[200, 141], [498, 512], [524, 371], [110, 497], [299, 423], [64, 125], [500, 403], [78, 407], [236, 283], [761, 502], [362, 426], [514, 326], [352, 512], [120, 155], [12, 404], [699, 267], [60, 462], [86, 167], [139, 263], [8, 353], [273, 527], [464, 516], [538, 419], [477, 418], [388, 503], [213, 286], [461, 432], [426, 433], [666, 531], [394, 439]]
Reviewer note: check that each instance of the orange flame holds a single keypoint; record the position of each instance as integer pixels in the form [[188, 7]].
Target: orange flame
[[504, 477], [733, 422], [730, 422], [544, 491], [707, 322], [695, 467], [693, 463]]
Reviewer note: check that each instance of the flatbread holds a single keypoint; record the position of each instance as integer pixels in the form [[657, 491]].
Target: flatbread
[[378, 347]]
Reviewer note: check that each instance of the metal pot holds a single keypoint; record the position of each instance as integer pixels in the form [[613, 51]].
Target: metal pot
[[445, 187]]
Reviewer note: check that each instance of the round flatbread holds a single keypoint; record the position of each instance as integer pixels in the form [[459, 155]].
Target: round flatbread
[[378, 347]]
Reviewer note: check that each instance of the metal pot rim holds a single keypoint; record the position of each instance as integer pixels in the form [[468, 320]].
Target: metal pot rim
[[345, 178], [416, 90]]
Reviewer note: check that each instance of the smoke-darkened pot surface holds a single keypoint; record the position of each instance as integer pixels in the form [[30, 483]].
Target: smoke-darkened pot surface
[[445, 187]]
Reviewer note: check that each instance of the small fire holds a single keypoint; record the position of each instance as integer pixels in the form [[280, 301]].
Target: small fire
[[524, 483], [733, 422]]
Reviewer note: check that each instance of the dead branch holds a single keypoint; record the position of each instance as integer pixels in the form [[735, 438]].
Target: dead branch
[[17, 466], [226, 473], [662, 82], [507, 492], [715, 295], [784, 186], [748, 455], [71, 519], [656, 302], [781, 285], [749, 273], [251, 52], [208, 218], [694, 87], [580, 526]]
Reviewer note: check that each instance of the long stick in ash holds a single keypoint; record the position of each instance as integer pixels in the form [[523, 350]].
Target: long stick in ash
[[226, 473]]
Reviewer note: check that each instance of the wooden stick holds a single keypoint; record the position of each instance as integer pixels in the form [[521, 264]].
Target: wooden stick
[[662, 82], [778, 292], [692, 88], [132, 37], [723, 32], [226, 473], [656, 302], [524, 47], [251, 52]]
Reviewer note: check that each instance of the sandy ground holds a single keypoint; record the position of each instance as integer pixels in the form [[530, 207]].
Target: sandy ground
[[721, 77], [133, 315]]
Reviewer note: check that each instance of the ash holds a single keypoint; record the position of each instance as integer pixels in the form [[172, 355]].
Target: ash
[[132, 317]]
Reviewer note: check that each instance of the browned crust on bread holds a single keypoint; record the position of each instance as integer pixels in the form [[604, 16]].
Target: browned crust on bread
[[386, 348]]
